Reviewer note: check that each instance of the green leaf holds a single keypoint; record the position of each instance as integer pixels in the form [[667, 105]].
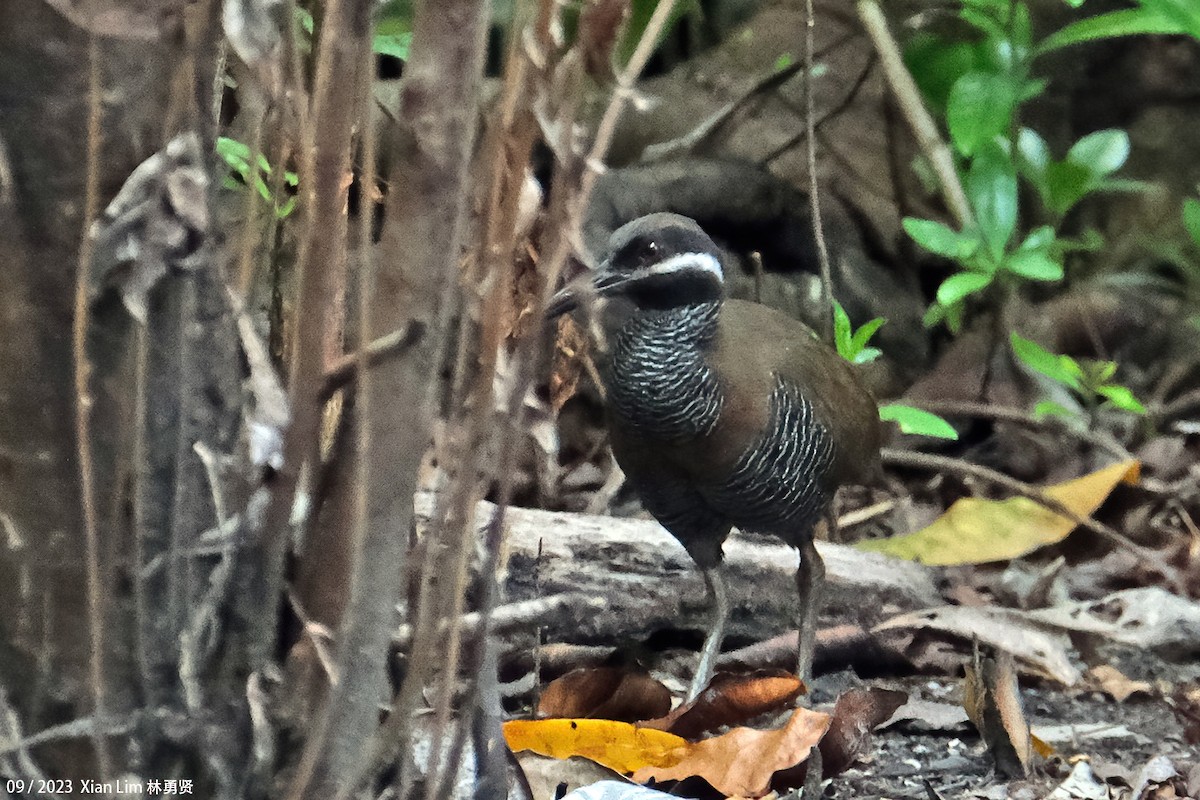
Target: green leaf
[[395, 45], [1127, 22], [1033, 159], [1072, 368], [864, 334], [1066, 184], [1052, 365], [1122, 398], [951, 315], [841, 331], [1103, 152], [917, 421], [960, 286], [784, 61], [1103, 372], [1031, 88], [934, 314], [1020, 33], [992, 189], [979, 108], [988, 22], [1185, 13], [1191, 218], [1049, 408], [263, 190], [867, 355], [1034, 265], [1033, 153], [305, 19], [1040, 238], [941, 239], [1090, 241], [235, 154], [936, 63], [851, 344]]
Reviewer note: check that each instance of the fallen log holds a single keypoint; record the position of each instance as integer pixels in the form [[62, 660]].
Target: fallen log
[[648, 584]]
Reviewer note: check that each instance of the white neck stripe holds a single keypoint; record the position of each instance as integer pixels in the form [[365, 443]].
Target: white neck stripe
[[704, 262]]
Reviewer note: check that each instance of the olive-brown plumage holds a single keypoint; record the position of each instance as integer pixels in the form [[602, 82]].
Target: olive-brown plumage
[[722, 413]]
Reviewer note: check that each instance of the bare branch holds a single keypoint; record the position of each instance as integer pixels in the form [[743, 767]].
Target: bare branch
[[83, 410], [913, 108]]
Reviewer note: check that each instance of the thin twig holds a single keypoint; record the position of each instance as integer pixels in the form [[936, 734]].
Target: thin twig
[[953, 408], [22, 764], [75, 729], [814, 195], [829, 115], [913, 107], [711, 126], [338, 86], [1183, 405], [141, 422], [509, 617], [956, 466], [864, 514], [249, 237], [756, 263], [347, 368], [318, 635], [83, 411]]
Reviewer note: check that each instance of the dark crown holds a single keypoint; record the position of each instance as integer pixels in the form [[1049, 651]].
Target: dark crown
[[661, 261]]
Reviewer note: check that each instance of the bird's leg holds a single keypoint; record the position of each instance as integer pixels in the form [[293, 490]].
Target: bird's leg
[[719, 600], [810, 579]]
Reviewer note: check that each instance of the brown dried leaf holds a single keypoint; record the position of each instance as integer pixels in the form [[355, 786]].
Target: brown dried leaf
[[570, 350], [1110, 680], [740, 763], [857, 713], [605, 693], [732, 700], [1004, 629], [992, 700]]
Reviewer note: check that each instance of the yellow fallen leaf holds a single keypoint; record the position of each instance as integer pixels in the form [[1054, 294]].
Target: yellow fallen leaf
[[974, 531], [617, 745]]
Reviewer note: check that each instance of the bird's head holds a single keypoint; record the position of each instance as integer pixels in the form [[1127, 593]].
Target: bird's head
[[659, 261]]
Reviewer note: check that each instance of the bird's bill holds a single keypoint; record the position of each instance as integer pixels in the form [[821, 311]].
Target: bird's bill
[[564, 301], [601, 283]]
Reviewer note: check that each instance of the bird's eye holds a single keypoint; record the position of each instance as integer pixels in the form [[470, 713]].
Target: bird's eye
[[650, 252]]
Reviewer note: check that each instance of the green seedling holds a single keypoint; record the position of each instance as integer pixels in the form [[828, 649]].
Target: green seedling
[[854, 346], [1090, 380], [236, 156]]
